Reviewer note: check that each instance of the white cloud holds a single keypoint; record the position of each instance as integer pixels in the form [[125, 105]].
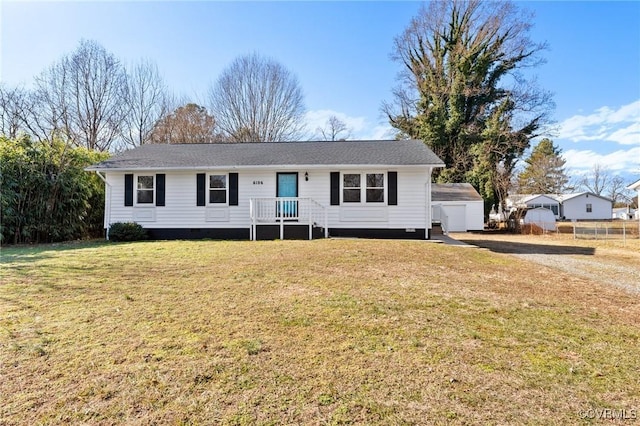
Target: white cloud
[[623, 161], [379, 132], [620, 125], [358, 127]]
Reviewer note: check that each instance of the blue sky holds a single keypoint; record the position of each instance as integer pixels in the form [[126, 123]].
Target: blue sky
[[340, 54]]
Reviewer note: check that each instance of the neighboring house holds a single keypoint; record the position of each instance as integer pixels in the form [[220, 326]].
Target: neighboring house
[[545, 201], [636, 187], [457, 206], [577, 206], [273, 190], [585, 206], [623, 213]]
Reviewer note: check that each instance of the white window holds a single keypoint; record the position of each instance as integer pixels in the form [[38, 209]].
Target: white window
[[589, 208], [375, 187], [363, 187], [351, 188], [218, 189], [144, 189]]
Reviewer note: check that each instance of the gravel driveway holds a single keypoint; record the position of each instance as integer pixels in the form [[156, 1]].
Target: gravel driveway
[[603, 262]]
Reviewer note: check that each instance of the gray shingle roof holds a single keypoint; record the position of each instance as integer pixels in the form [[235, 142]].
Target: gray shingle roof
[[190, 156], [454, 192]]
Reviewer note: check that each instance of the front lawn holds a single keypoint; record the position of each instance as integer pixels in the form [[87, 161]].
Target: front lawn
[[299, 332]]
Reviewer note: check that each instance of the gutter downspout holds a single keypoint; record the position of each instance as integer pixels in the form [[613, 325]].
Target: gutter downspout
[[107, 203], [428, 207]]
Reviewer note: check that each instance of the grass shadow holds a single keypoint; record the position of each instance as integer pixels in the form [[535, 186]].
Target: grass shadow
[[35, 252], [510, 247]]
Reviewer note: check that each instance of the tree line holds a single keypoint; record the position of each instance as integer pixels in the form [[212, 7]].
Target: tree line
[[90, 99]]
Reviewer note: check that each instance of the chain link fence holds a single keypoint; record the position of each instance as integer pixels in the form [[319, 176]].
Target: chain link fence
[[614, 230], [604, 230]]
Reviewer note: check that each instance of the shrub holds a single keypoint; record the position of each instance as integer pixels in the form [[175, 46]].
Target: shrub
[[127, 231], [47, 196]]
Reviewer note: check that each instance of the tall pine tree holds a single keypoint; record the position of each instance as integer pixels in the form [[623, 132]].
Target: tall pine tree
[[544, 171]]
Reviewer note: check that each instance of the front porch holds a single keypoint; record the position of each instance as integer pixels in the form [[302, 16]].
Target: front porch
[[287, 218]]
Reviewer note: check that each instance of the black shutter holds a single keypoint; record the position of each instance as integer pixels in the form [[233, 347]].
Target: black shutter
[[392, 181], [335, 188], [201, 195], [128, 190], [160, 181], [233, 189]]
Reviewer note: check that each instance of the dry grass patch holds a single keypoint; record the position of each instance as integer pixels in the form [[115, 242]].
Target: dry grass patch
[[322, 332]]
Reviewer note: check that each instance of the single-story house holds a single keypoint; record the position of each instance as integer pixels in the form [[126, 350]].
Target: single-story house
[[545, 201], [585, 206], [623, 213], [273, 190], [574, 206], [457, 207]]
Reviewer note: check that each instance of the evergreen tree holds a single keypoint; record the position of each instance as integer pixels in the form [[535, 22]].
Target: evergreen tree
[[544, 171], [47, 195]]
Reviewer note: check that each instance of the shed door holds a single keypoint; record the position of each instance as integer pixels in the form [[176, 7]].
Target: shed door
[[456, 217]]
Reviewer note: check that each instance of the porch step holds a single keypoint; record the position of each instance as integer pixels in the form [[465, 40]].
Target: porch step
[[436, 229]]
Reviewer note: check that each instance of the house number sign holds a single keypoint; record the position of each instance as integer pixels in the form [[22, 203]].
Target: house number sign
[[257, 182]]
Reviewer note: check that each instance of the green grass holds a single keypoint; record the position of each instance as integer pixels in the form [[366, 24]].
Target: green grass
[[321, 332]]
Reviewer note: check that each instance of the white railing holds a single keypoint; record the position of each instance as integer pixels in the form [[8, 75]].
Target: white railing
[[287, 210], [444, 222], [439, 216]]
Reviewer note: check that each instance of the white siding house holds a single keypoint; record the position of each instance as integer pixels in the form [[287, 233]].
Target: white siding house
[[548, 202], [457, 207], [585, 206], [273, 190], [623, 213], [577, 206]]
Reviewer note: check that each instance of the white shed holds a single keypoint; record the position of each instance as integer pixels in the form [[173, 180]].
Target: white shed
[[542, 217], [457, 206]]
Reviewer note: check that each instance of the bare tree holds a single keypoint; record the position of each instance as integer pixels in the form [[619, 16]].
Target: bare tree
[[597, 180], [600, 181], [146, 101], [15, 104], [333, 129], [618, 191], [84, 97], [257, 99], [190, 123]]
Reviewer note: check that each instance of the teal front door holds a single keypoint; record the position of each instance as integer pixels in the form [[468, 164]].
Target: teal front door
[[287, 186]]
